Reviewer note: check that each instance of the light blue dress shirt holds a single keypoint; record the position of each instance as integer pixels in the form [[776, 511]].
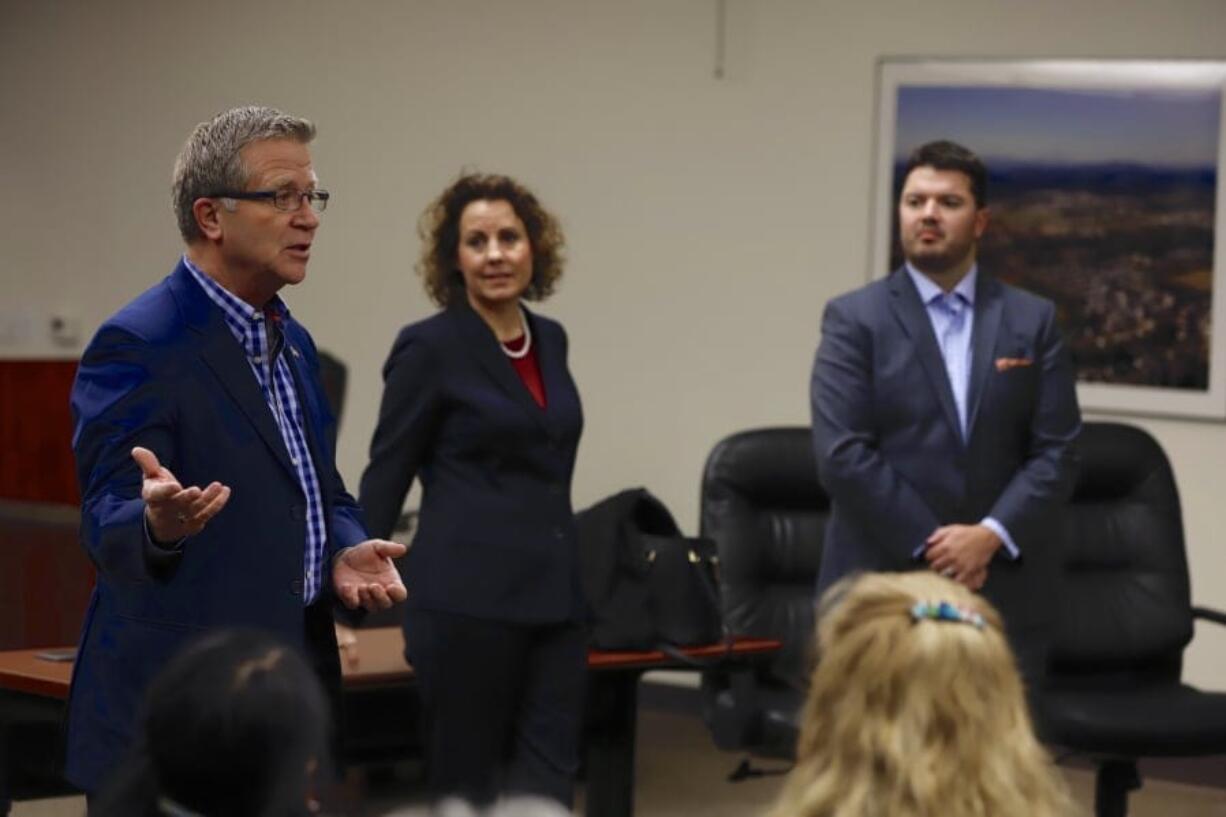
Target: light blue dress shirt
[[953, 318]]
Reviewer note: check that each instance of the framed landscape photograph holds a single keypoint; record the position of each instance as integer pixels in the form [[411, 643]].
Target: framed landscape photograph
[[1103, 196]]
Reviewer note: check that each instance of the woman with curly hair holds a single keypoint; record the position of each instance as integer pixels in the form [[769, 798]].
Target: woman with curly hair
[[478, 401], [916, 709]]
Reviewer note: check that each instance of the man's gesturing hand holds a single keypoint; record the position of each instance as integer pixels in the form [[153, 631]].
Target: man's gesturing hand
[[364, 576], [171, 510]]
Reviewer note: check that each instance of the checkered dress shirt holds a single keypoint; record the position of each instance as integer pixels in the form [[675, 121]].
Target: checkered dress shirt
[[250, 328]]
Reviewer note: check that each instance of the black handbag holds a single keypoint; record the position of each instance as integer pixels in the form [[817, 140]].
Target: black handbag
[[647, 586], [684, 590]]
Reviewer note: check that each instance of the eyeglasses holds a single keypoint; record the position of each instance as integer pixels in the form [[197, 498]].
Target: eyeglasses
[[287, 198]]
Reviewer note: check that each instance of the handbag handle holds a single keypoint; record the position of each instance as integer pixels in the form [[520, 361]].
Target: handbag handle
[[711, 590]]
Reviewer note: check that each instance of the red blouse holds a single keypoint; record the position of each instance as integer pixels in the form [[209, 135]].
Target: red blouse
[[528, 367]]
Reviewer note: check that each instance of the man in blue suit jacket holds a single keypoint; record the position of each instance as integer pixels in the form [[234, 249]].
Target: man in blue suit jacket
[[944, 412], [210, 497]]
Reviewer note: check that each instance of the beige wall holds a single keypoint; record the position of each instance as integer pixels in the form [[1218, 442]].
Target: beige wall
[[708, 220]]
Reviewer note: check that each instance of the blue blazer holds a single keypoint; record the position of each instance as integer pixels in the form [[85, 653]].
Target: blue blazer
[[496, 537], [890, 452], [167, 374]]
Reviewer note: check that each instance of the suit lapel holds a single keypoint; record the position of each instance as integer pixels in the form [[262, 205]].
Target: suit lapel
[[983, 342], [480, 341], [911, 313], [225, 357], [310, 398]]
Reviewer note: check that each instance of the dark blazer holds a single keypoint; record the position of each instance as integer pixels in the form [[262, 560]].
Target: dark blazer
[[166, 373], [496, 535], [890, 452]]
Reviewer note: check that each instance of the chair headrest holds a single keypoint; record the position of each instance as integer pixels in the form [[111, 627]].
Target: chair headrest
[[773, 467]]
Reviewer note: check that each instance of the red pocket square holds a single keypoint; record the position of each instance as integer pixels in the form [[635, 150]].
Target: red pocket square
[[1004, 364]]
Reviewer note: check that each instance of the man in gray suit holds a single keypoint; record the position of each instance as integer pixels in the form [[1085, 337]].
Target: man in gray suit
[[944, 412]]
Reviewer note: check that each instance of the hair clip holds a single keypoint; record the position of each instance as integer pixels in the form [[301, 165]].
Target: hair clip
[[944, 611]]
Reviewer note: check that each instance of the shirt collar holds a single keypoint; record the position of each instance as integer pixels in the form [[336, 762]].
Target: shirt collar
[[240, 316], [928, 291]]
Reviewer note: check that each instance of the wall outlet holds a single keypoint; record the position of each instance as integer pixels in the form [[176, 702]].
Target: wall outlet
[[65, 328]]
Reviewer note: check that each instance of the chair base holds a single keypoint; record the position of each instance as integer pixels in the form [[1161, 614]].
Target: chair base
[[1116, 778], [744, 715]]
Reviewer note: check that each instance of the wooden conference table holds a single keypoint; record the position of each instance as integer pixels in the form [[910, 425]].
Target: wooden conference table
[[27, 681]]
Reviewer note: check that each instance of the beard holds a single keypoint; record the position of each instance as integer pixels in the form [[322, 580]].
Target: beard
[[940, 259]]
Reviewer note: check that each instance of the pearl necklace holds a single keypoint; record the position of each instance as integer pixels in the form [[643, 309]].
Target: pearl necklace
[[523, 352]]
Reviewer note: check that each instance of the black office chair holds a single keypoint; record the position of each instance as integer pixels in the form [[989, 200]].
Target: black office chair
[[45, 584], [1114, 691], [763, 506], [334, 377], [381, 723]]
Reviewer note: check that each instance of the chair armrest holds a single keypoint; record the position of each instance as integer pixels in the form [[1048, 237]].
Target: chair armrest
[[1209, 614]]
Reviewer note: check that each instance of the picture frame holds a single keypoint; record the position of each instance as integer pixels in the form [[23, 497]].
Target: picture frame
[[1103, 196]]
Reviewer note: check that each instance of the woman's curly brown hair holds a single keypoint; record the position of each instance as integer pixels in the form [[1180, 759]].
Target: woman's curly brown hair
[[439, 229]]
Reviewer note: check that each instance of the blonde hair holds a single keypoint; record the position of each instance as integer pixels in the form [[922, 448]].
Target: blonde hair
[[916, 717]]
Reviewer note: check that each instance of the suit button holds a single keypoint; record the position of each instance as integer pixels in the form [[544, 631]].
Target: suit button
[[558, 533], [555, 488], [295, 587], [295, 512]]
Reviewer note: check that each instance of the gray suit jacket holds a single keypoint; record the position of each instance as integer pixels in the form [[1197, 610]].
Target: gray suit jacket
[[888, 444]]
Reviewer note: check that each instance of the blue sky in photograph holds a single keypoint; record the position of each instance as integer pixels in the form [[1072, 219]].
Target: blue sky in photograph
[[1065, 126]]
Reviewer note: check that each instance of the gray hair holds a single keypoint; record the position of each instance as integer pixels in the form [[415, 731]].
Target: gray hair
[[210, 162]]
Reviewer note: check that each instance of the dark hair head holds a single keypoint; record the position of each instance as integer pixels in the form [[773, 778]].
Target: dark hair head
[[946, 155], [439, 228], [230, 727]]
